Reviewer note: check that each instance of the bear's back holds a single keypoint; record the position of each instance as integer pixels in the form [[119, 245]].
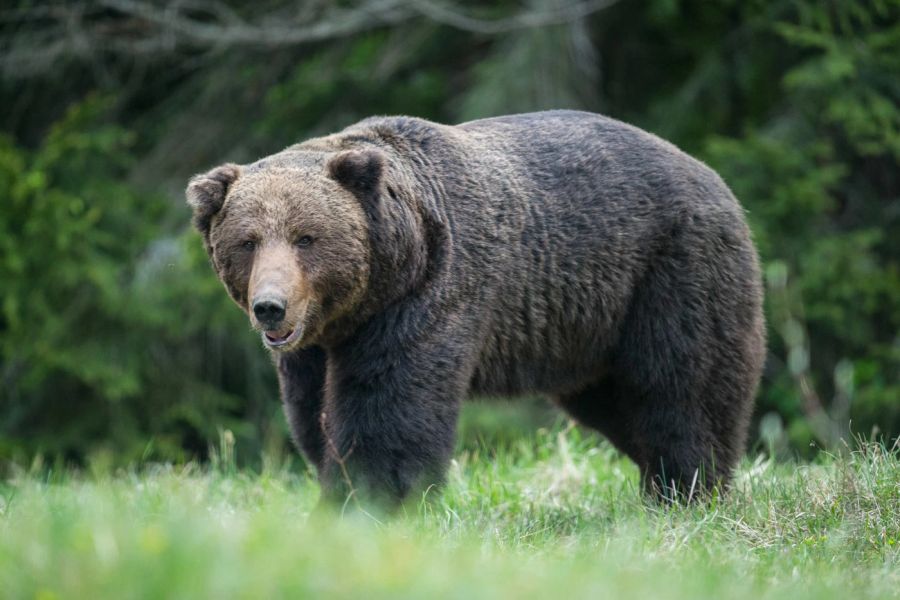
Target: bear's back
[[555, 217]]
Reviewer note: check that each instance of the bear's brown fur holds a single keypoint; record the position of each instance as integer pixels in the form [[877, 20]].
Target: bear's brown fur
[[400, 265]]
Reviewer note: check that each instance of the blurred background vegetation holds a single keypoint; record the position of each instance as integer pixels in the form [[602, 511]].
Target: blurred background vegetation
[[116, 340]]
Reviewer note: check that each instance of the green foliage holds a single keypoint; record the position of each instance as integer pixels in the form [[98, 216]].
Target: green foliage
[[821, 185], [374, 74], [98, 333], [557, 514]]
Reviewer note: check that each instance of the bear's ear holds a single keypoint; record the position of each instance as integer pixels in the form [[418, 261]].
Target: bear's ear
[[205, 193], [357, 170]]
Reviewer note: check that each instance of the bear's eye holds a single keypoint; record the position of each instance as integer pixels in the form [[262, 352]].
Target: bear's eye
[[304, 241], [249, 245]]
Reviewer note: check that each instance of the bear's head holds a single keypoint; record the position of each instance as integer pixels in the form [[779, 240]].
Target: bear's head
[[289, 236]]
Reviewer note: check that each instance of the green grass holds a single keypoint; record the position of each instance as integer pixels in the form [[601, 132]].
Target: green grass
[[555, 517]]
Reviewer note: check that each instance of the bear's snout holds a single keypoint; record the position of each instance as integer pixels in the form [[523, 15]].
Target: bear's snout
[[269, 312]]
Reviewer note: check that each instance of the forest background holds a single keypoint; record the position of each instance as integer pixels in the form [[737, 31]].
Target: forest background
[[117, 343]]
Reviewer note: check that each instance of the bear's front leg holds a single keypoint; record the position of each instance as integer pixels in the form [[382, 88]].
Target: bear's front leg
[[389, 421], [301, 377]]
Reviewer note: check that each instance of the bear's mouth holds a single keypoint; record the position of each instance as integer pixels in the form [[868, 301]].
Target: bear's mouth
[[277, 339]]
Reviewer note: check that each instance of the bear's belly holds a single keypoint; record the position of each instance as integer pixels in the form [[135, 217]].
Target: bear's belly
[[551, 337], [552, 364]]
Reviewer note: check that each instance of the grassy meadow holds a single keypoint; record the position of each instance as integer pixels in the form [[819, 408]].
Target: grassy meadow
[[553, 515]]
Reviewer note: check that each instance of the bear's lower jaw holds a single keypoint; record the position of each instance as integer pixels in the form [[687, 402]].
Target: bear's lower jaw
[[281, 342]]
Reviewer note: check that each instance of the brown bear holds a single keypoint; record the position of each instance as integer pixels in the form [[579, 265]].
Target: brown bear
[[400, 265]]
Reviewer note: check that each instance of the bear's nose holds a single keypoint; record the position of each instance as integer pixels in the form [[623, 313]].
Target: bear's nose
[[269, 311]]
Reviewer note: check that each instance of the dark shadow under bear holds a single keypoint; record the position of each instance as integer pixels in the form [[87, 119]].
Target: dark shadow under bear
[[561, 252]]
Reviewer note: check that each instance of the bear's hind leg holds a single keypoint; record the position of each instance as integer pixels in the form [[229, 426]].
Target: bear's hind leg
[[687, 364], [681, 455], [675, 450], [681, 380]]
